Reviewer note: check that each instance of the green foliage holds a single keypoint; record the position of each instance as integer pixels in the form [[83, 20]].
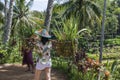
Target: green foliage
[[72, 71], [116, 73], [68, 30], [114, 65], [114, 69], [1, 6], [83, 43], [87, 12], [117, 11], [24, 21], [111, 24], [15, 56], [10, 54], [105, 56], [1, 15], [38, 14], [3, 56], [115, 41]]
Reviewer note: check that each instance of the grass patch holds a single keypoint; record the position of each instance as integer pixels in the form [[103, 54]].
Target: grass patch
[[105, 56]]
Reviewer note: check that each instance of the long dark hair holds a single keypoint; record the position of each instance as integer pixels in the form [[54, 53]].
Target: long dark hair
[[44, 40]]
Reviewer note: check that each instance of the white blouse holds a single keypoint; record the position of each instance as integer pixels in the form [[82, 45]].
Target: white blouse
[[44, 59]]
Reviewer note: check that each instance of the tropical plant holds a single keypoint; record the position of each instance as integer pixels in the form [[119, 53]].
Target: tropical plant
[[68, 30], [38, 14], [114, 69], [87, 12], [24, 23], [67, 35]]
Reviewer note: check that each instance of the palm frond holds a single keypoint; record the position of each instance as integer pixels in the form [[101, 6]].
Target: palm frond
[[94, 7], [82, 30], [69, 11], [1, 6], [29, 4]]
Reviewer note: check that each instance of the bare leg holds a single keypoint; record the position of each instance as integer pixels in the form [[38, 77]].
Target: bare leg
[[33, 68], [48, 73], [37, 74], [28, 66]]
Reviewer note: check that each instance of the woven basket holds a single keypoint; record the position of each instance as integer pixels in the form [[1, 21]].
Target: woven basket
[[64, 48]]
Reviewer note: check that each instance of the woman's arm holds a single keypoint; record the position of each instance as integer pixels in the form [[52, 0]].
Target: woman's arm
[[38, 48]]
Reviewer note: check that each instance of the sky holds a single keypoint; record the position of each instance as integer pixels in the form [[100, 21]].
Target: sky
[[39, 5]]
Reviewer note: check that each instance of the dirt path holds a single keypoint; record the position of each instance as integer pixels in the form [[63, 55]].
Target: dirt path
[[17, 72]]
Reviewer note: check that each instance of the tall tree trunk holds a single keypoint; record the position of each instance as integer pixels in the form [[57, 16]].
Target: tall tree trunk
[[48, 14], [8, 23], [102, 32], [102, 36]]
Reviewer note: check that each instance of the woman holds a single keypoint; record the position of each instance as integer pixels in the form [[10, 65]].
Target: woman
[[43, 47], [27, 58]]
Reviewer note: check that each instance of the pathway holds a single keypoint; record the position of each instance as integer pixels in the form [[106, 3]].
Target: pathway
[[17, 72]]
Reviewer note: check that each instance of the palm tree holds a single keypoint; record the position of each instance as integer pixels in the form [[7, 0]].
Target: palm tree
[[8, 23], [48, 14], [86, 11], [39, 17], [102, 32], [102, 36], [24, 23]]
